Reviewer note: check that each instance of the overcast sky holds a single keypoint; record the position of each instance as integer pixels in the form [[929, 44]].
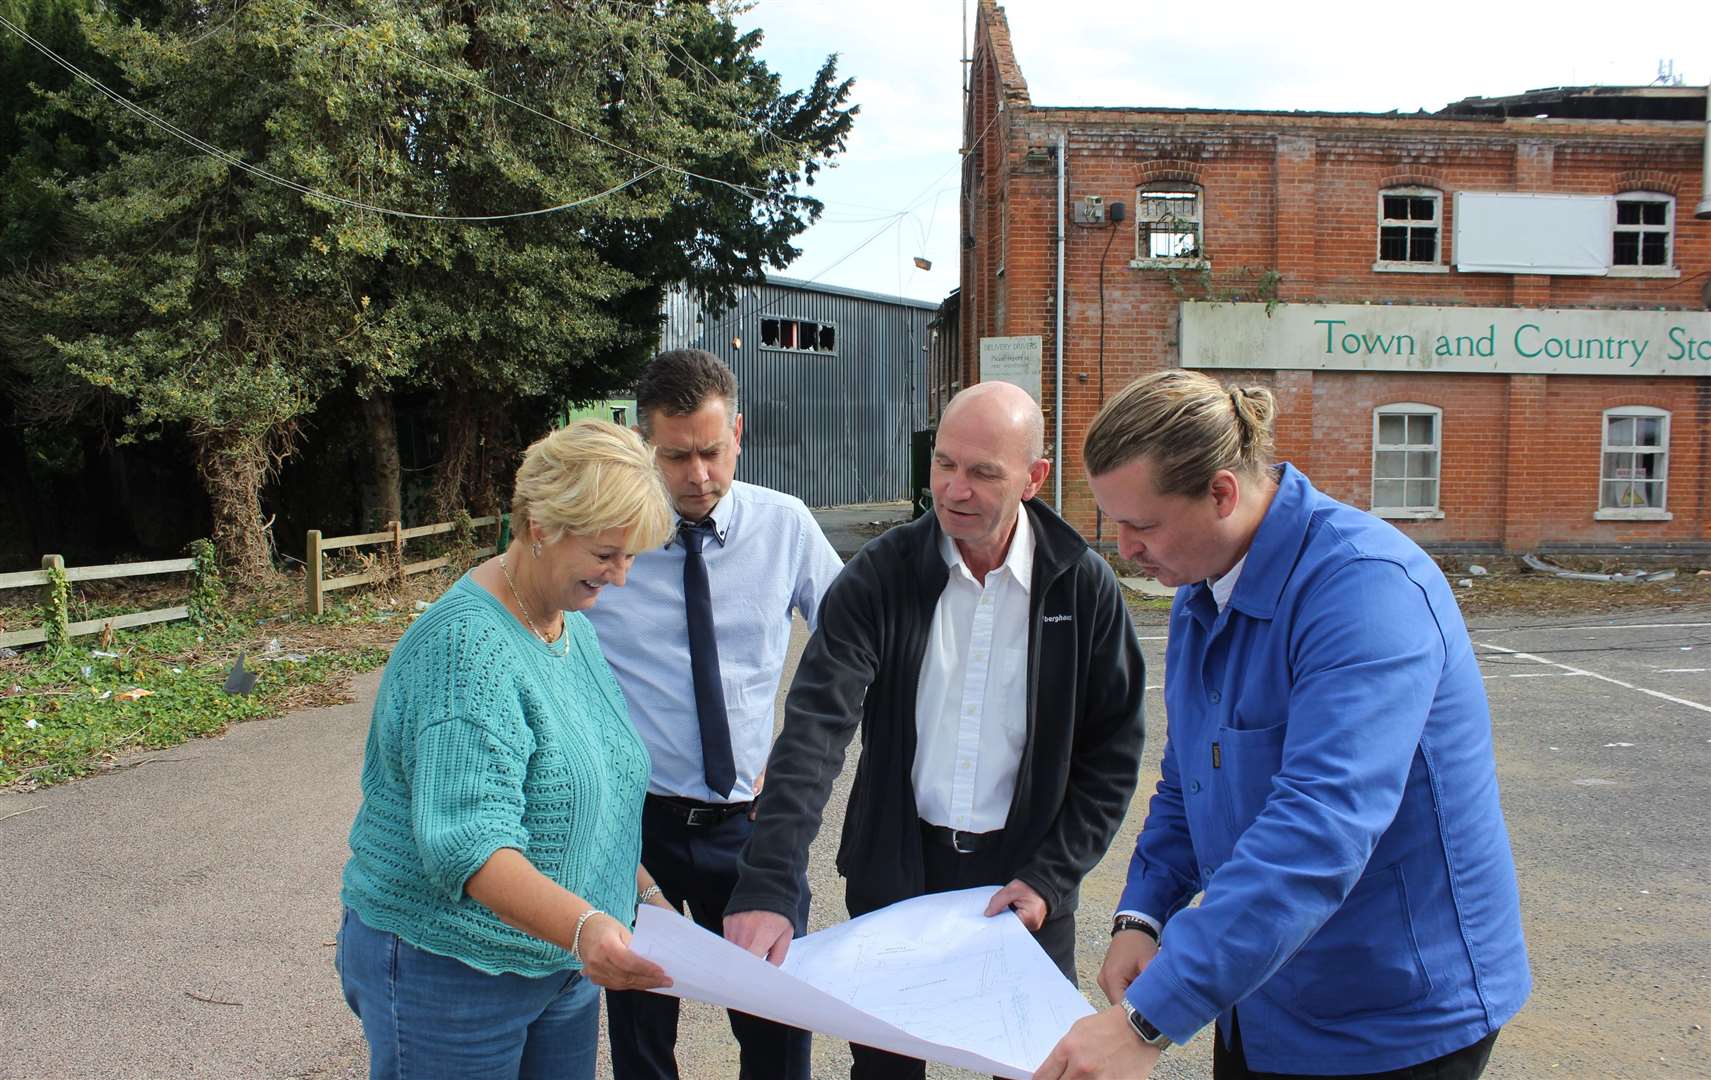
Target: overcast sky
[[895, 190]]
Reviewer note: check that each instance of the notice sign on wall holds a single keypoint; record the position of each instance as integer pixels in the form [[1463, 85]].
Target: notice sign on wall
[[1510, 341], [1012, 360]]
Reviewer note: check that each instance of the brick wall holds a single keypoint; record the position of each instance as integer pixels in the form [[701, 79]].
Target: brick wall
[[1298, 193]]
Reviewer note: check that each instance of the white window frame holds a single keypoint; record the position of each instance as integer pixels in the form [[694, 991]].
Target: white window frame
[[1660, 512], [1146, 216], [1436, 264], [1667, 268], [1435, 447]]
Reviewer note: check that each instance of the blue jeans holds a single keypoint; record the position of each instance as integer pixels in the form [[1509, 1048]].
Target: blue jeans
[[429, 1017]]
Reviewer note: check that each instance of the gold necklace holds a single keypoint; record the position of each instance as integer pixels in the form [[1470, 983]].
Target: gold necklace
[[517, 596]]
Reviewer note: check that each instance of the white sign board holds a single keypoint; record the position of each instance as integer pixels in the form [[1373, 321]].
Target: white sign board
[[1012, 360], [1519, 232], [1510, 341]]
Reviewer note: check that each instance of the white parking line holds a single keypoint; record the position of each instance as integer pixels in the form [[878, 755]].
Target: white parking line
[[1635, 626], [1602, 678], [1540, 675], [1681, 670]]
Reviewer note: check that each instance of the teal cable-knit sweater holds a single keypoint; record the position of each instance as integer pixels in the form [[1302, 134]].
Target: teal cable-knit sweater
[[481, 740]]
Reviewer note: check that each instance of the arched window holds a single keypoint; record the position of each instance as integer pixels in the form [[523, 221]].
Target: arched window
[[1644, 230], [1634, 480], [1406, 437], [1168, 225], [1410, 228]]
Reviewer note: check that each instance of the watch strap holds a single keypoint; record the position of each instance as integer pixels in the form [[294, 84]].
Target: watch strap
[[1131, 922], [1143, 1028]]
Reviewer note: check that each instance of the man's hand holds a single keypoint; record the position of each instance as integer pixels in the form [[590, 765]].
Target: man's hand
[[764, 933], [1020, 897], [608, 961], [1100, 1047], [1130, 953]]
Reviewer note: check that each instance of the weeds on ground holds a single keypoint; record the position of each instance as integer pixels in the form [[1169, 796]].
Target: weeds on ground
[[89, 705]]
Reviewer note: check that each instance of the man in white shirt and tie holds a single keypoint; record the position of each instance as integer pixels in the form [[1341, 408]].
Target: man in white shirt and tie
[[988, 658], [698, 643]]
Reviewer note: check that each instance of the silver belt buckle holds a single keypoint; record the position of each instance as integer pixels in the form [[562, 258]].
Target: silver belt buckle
[[701, 815], [956, 843]]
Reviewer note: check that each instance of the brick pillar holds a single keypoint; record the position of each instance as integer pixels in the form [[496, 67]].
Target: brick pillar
[[1294, 427], [1528, 484], [1534, 164], [1296, 196]]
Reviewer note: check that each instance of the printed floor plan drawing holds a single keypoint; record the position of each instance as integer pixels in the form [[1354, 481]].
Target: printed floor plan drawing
[[931, 977]]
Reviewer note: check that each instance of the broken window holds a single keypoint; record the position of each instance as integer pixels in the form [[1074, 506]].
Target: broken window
[[1409, 224], [1167, 225], [1405, 452], [1636, 460], [1644, 222], [798, 335]]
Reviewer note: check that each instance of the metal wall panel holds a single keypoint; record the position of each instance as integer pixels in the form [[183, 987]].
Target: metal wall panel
[[830, 428]]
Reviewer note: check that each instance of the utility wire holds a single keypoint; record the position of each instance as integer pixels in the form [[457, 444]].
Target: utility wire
[[744, 189], [273, 178]]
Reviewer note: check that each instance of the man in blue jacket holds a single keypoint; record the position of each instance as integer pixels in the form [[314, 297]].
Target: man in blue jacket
[[1328, 778]]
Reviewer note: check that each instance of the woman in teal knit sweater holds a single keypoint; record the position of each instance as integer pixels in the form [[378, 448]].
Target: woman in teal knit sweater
[[495, 861]]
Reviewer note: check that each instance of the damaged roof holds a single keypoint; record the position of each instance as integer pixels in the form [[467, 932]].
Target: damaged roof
[[1590, 103]]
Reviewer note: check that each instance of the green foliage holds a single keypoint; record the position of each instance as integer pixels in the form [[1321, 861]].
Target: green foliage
[[56, 606], [61, 716], [1244, 284], [186, 294], [207, 590]]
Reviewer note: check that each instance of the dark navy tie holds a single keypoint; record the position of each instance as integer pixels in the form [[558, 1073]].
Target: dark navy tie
[[717, 765]]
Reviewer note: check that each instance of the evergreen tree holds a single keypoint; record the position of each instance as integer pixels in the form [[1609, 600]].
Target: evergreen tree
[[212, 300]]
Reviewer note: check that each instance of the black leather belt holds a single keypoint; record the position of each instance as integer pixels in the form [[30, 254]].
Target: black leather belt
[[963, 843], [695, 813]]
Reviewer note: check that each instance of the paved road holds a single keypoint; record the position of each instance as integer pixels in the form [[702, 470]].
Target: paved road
[[173, 919]]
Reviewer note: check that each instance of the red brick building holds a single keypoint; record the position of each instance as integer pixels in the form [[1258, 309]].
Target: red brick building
[[1487, 323]]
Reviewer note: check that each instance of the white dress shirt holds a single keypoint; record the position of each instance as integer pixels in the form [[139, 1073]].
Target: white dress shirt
[[971, 704], [767, 558]]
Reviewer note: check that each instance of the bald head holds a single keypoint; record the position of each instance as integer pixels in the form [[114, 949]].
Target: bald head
[[988, 460], [1002, 412]]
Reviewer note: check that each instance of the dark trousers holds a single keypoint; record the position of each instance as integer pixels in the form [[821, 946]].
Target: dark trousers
[[1230, 1063], [696, 865], [948, 871]]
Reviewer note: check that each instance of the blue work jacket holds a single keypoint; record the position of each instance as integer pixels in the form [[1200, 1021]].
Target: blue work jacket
[[1328, 781]]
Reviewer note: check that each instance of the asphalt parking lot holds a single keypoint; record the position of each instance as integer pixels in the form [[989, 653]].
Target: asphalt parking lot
[[173, 920]]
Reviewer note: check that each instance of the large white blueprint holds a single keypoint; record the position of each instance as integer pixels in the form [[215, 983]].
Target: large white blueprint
[[931, 977]]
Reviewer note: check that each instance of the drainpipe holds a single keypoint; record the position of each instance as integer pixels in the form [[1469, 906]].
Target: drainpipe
[[1062, 230], [1704, 210]]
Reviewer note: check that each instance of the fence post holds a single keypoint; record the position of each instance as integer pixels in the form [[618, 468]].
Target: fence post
[[312, 569], [56, 615], [397, 549]]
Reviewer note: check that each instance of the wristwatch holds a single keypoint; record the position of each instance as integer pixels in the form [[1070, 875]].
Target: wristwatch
[[1148, 1034]]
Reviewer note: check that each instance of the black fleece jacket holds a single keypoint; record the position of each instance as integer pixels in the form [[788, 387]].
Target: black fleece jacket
[[1084, 728]]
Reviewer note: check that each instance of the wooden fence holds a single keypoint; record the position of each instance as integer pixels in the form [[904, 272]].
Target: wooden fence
[[27, 578], [393, 536]]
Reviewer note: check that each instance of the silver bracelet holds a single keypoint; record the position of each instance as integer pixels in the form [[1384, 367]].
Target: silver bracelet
[[576, 938], [648, 894]]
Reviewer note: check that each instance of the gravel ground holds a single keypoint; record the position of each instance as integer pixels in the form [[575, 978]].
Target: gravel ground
[[172, 918]]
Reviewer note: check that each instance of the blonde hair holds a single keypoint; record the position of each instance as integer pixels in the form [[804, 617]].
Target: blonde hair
[[590, 477], [1190, 425]]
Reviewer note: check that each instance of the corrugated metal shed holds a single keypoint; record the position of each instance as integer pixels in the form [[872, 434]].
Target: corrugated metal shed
[[830, 423]]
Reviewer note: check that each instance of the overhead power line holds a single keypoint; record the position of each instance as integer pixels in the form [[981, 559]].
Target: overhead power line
[[744, 189], [273, 178]]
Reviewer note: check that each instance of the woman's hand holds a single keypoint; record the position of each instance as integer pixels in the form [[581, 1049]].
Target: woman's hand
[[608, 961]]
